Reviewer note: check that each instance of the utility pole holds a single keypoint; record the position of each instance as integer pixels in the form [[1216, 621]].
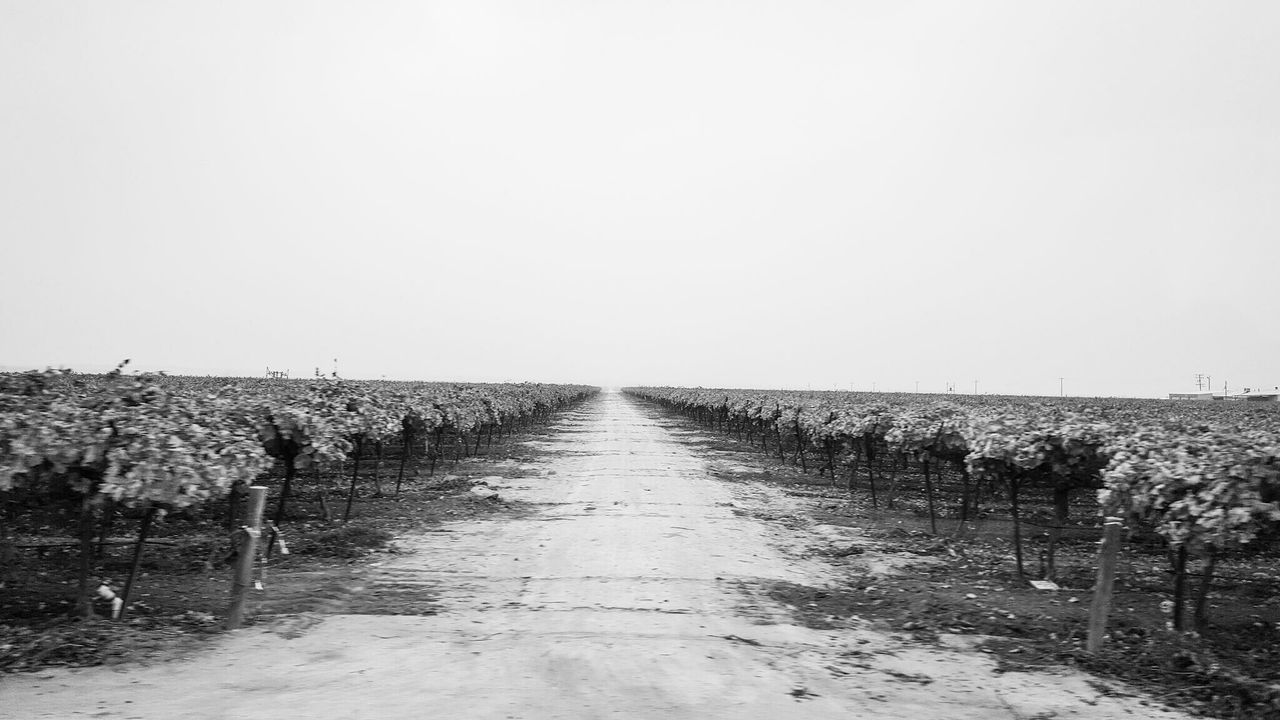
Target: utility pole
[[1060, 392]]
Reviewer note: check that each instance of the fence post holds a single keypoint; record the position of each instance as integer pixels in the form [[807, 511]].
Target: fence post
[[247, 553], [1101, 606]]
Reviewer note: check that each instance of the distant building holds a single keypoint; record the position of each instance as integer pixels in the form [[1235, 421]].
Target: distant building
[[1198, 395], [1258, 395]]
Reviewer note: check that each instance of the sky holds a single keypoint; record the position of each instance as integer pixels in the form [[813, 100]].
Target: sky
[[1011, 197]]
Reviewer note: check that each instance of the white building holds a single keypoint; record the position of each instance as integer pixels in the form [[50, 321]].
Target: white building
[[1197, 395], [1258, 395]]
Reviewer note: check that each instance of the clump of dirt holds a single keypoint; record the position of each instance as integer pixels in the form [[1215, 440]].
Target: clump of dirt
[[820, 608], [102, 642], [348, 541], [1195, 672]]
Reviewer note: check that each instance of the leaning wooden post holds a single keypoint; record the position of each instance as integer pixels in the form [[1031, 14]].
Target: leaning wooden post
[[137, 561], [247, 553], [1107, 555]]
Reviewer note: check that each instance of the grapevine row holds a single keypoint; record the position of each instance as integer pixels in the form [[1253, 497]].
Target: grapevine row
[[160, 443], [1204, 477]]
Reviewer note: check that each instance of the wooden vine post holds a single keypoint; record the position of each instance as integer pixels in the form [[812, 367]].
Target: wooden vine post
[[247, 551], [1014, 482], [1101, 606], [143, 531], [928, 490]]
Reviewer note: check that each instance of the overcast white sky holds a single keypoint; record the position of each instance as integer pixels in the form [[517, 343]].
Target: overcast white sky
[[783, 194]]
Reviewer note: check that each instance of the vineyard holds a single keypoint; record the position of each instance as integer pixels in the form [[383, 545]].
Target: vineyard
[[971, 497], [1196, 485], [1201, 479], [85, 459]]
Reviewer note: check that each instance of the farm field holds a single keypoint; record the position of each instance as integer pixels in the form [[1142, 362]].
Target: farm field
[[466, 343], [636, 581], [548, 551], [126, 495], [1013, 490]]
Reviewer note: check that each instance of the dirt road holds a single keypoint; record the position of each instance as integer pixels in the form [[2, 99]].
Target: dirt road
[[631, 591]]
